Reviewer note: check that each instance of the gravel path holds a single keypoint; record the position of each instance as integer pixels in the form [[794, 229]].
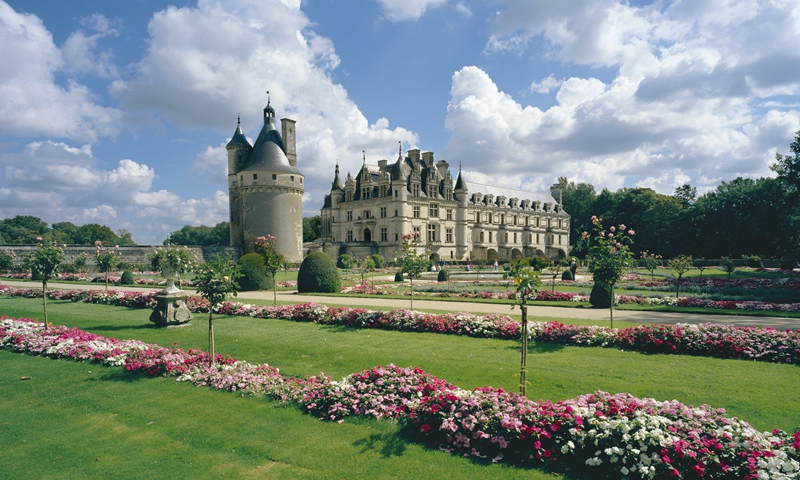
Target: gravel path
[[556, 313]]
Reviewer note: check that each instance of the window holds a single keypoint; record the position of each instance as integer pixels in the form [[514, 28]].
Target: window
[[364, 193], [395, 237], [449, 235], [367, 214], [433, 210], [451, 254], [383, 212], [241, 178], [291, 177], [515, 219], [384, 235], [515, 237], [395, 194], [505, 237], [431, 233], [416, 230], [416, 212], [548, 222], [415, 189], [349, 215], [527, 221], [255, 176], [488, 218], [395, 213], [349, 196], [449, 214], [383, 190], [274, 176], [490, 237], [481, 237], [432, 191], [502, 219], [349, 235], [537, 238]]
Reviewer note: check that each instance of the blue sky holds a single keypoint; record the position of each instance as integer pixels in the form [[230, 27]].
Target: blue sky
[[118, 112]]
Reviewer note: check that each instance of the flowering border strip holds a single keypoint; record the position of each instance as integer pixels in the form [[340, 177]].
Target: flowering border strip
[[710, 340], [608, 435]]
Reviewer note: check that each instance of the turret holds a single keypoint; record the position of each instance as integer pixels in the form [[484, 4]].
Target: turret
[[238, 149]]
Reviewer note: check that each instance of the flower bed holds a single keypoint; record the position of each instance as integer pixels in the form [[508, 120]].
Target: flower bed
[[616, 436], [721, 341]]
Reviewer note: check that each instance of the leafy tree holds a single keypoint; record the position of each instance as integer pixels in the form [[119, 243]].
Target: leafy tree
[[64, 232], [23, 230], [105, 259], [527, 282], [273, 261], [312, 228], [686, 194], [125, 238], [6, 261], [609, 255], [680, 265], [215, 280], [579, 201], [412, 263], [366, 267], [201, 235], [650, 262], [727, 266], [89, 233], [45, 262], [788, 166]]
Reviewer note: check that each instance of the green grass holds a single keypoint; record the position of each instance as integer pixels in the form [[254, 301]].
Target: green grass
[[65, 417]]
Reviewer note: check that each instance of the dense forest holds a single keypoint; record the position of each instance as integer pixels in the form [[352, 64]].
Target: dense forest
[[24, 230]]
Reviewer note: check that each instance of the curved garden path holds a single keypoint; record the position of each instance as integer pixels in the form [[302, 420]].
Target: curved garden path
[[562, 314]]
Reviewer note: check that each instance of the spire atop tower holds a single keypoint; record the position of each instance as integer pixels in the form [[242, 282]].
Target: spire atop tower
[[363, 157], [269, 111], [337, 182]]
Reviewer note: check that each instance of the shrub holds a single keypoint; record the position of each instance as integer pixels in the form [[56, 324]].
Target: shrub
[[256, 276], [788, 263], [600, 296], [398, 277], [345, 261], [377, 259], [35, 275], [127, 278], [567, 275], [754, 261], [443, 275], [318, 274]]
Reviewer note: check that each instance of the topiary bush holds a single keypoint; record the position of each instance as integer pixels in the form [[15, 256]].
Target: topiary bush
[[377, 259], [318, 273], [443, 275], [126, 278], [344, 260], [567, 275], [255, 274], [398, 277], [600, 296]]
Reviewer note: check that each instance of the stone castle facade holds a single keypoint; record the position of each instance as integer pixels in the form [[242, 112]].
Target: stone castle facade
[[457, 221], [266, 188]]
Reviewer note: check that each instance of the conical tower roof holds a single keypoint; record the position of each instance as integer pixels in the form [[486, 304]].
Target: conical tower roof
[[461, 184], [337, 182], [238, 137], [269, 153]]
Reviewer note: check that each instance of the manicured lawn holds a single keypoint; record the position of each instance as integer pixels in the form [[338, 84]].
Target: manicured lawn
[[70, 414]]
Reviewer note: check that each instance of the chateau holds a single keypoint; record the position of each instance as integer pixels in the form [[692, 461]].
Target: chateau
[[456, 221], [266, 188]]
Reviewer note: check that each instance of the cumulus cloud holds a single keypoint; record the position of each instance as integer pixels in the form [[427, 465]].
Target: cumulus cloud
[[199, 80], [81, 50], [31, 101], [400, 10], [695, 93], [55, 181]]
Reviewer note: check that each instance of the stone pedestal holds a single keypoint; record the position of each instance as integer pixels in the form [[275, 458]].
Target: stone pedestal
[[171, 309]]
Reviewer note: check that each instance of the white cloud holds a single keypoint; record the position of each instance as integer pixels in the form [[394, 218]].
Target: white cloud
[[400, 10], [81, 50], [55, 181], [31, 101], [199, 80], [545, 85]]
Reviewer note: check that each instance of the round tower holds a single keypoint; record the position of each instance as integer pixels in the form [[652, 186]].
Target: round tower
[[463, 242], [238, 151], [269, 190]]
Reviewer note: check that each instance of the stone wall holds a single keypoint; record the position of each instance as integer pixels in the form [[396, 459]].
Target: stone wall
[[129, 254]]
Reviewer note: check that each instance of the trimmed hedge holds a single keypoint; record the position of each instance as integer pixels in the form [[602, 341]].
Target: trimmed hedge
[[398, 277], [318, 273], [256, 276], [600, 296], [126, 278], [567, 275], [443, 276]]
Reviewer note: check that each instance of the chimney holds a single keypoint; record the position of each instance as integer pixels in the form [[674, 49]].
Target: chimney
[[289, 140]]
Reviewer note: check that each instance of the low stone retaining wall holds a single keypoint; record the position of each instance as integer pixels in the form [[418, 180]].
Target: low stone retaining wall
[[136, 254]]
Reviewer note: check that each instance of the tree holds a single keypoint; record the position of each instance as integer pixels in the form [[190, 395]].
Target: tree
[[680, 265], [686, 194], [728, 266], [366, 267], [788, 166], [89, 233], [312, 228], [200, 235], [609, 255], [527, 283], [105, 259], [6, 261], [650, 262], [273, 261], [579, 201], [412, 263], [555, 270], [45, 263], [23, 230], [215, 280]]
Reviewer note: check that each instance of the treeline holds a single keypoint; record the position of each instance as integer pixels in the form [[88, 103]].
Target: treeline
[[219, 234], [25, 229]]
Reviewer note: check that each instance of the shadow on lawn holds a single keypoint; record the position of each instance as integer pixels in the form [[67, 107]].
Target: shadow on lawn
[[119, 375], [389, 445], [538, 347], [115, 328]]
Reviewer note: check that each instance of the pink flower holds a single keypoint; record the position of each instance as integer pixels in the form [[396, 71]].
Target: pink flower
[[622, 226], [38, 239], [613, 229], [630, 232]]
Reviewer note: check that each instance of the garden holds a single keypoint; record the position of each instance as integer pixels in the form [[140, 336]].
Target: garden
[[402, 390]]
